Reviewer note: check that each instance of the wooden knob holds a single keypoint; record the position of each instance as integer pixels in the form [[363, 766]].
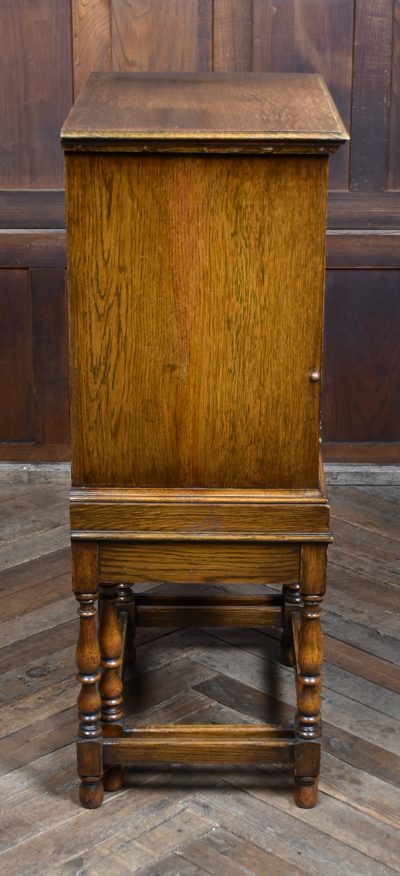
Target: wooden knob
[[315, 376]]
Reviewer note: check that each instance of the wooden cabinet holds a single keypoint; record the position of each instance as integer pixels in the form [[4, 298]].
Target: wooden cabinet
[[196, 210]]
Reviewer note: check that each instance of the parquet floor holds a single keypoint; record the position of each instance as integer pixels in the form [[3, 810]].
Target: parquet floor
[[182, 822]]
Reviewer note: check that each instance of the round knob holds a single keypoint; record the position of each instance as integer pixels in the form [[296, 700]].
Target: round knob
[[315, 376]]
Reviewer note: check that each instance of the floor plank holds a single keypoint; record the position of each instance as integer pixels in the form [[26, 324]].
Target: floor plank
[[368, 756]]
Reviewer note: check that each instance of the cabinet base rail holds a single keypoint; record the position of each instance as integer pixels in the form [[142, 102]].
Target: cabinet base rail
[[223, 744]]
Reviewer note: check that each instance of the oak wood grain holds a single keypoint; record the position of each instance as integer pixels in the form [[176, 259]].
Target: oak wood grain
[[202, 744], [189, 518], [201, 394], [172, 109], [184, 562]]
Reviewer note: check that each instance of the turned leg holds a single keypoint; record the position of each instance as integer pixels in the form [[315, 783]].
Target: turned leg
[[292, 602], [308, 681], [126, 605], [89, 749], [110, 640]]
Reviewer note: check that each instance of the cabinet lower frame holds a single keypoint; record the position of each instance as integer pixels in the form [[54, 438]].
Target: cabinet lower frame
[[108, 559]]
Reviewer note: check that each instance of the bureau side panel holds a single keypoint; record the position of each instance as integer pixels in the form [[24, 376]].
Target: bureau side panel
[[196, 297]]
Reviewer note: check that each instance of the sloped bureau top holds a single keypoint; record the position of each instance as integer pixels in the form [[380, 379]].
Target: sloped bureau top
[[204, 112]]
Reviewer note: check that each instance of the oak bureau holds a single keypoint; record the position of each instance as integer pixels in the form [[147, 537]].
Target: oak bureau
[[196, 215]]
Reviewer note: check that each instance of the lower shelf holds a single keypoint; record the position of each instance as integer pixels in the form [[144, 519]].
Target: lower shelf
[[217, 611], [202, 743]]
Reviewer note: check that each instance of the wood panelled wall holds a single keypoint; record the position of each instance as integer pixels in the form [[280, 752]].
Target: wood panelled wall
[[47, 49]]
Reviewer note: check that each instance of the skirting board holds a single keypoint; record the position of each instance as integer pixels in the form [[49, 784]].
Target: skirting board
[[353, 474]]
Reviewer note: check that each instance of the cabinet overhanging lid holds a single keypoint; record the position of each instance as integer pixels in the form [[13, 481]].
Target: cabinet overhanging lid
[[204, 112]]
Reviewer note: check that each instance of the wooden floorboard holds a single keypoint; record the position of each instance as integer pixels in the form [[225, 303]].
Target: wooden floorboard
[[191, 821]]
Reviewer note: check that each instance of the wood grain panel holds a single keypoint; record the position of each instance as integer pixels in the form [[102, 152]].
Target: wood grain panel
[[221, 520], [217, 745], [184, 113], [17, 409], [232, 35], [31, 452], [91, 29], [50, 355], [30, 208], [34, 248], [364, 210], [361, 399], [394, 131], [367, 452], [35, 89], [363, 249], [185, 563], [164, 426], [161, 35], [309, 36], [371, 93]]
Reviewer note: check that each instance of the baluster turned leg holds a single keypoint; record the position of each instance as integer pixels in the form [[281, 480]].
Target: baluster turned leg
[[89, 746], [310, 658], [110, 639], [292, 602], [126, 603]]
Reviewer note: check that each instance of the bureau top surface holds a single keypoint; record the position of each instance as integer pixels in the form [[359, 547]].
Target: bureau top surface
[[201, 112]]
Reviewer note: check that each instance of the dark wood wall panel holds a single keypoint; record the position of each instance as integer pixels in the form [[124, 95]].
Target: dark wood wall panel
[[168, 35], [361, 390], [32, 208], [233, 35], [354, 44], [307, 36], [374, 211], [35, 89], [37, 248], [50, 346], [91, 29], [34, 416], [394, 134], [363, 249], [17, 402], [371, 92]]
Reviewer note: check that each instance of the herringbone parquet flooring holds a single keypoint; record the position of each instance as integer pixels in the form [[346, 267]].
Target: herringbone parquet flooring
[[184, 821]]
